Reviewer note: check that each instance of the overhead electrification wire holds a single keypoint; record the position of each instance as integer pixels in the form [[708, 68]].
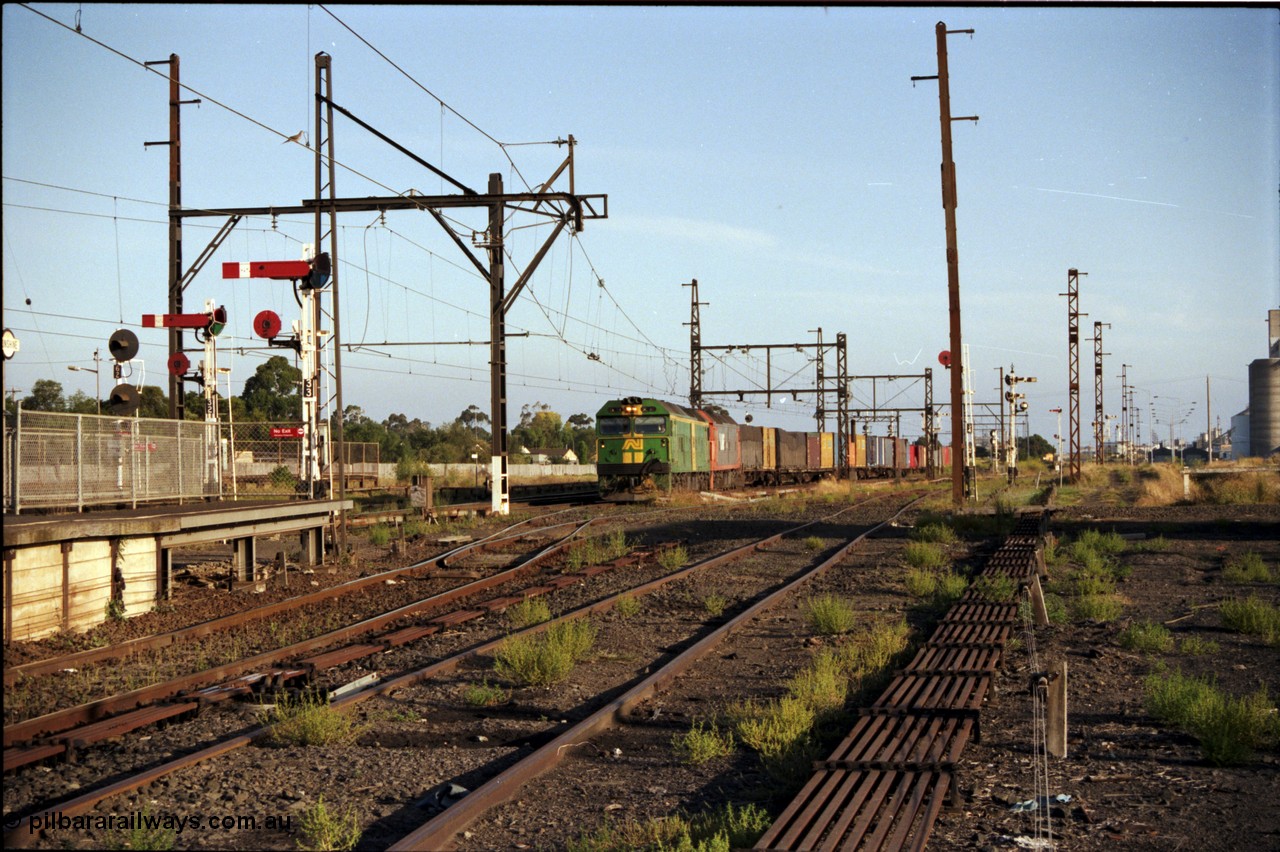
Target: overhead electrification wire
[[207, 98], [84, 191], [437, 98], [444, 106]]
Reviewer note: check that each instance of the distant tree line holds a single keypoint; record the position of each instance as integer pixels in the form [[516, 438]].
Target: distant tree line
[[272, 395]]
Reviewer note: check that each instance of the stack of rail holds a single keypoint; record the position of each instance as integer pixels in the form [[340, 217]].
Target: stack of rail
[[884, 785]]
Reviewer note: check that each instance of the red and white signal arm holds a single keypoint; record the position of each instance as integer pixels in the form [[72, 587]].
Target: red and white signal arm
[[281, 270], [944, 357], [286, 431]]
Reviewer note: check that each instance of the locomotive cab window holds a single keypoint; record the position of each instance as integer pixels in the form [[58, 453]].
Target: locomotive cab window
[[650, 425], [611, 426]]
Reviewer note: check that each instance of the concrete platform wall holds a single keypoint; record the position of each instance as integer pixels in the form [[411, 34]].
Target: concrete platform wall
[[52, 591]]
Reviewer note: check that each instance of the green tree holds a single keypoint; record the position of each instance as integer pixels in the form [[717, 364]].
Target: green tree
[[272, 393], [81, 403], [46, 395], [1039, 447], [155, 403], [582, 436]]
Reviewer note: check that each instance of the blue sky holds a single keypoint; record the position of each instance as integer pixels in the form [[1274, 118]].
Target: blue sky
[[781, 156]]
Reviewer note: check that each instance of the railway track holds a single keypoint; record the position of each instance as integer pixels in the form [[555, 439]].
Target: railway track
[[88, 800], [62, 732], [132, 647], [441, 832], [885, 784]]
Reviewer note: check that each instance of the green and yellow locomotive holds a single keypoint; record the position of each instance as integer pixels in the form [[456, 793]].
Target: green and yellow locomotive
[[645, 445]]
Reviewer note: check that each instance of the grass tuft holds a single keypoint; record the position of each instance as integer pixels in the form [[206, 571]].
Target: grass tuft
[[924, 554], [715, 604], [380, 534], [934, 532], [829, 615], [674, 557], [702, 743], [547, 658], [527, 613], [309, 720], [1147, 637], [627, 607], [1247, 568], [1252, 616], [1229, 729], [484, 694], [323, 830]]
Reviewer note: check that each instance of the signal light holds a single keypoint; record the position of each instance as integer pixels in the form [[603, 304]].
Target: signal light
[[123, 345], [179, 364], [124, 401], [217, 321], [267, 324], [321, 269], [944, 358]]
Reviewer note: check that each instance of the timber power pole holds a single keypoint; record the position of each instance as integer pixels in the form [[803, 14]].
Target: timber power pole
[[177, 282], [958, 473]]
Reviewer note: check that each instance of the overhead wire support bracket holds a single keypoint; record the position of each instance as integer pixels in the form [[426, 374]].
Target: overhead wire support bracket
[[322, 100]]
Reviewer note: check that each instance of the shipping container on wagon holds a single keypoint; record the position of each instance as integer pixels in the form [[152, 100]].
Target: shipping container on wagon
[[876, 451], [820, 448], [858, 451], [793, 451], [726, 450], [751, 443]]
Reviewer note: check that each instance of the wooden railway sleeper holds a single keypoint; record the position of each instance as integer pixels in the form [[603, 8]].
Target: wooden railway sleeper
[[885, 765], [909, 672], [947, 643], [971, 714]]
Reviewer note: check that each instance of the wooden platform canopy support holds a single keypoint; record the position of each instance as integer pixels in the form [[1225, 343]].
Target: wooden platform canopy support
[[565, 208]]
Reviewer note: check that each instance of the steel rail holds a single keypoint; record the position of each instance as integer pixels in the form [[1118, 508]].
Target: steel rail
[[227, 622], [18, 834], [440, 832], [64, 720]]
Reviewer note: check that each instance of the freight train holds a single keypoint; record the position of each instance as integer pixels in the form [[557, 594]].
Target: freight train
[[647, 445]]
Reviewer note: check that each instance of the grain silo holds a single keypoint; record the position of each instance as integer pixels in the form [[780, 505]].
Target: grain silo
[[1264, 395]]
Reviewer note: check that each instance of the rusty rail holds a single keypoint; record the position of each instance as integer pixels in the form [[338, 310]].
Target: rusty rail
[[18, 836], [63, 720], [121, 650], [886, 782], [441, 831]]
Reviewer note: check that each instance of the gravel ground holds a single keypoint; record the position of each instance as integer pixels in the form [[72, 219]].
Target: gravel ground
[[1133, 782]]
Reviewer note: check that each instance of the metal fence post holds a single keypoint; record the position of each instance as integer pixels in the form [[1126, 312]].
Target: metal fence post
[[16, 476], [133, 460], [79, 463], [177, 437]]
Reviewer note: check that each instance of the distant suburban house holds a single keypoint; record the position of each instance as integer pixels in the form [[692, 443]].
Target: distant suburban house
[[551, 456]]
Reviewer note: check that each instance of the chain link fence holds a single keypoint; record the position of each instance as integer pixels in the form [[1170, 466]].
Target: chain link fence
[[73, 461], [78, 460]]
